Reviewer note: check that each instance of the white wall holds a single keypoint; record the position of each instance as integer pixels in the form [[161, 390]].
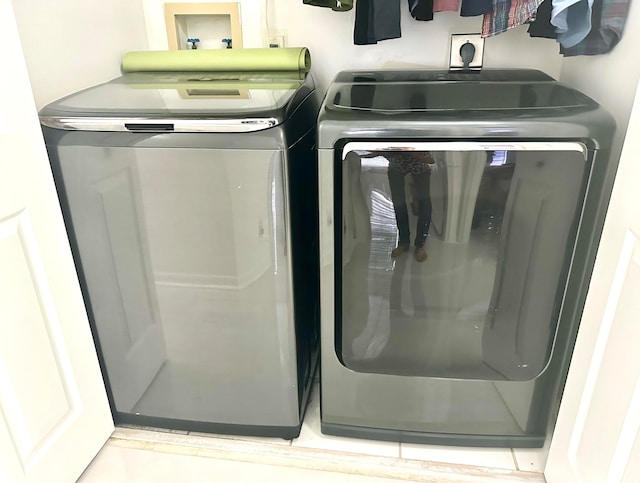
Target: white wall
[[611, 79], [329, 37], [72, 44]]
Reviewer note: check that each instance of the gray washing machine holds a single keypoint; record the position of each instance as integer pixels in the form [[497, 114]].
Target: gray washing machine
[[501, 179], [189, 202]]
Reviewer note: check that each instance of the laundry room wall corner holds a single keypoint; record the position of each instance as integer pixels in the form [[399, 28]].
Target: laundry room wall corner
[[610, 79], [73, 44]]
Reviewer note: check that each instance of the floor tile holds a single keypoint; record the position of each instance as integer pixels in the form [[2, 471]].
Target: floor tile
[[312, 437], [533, 459], [155, 436], [254, 439], [125, 465], [488, 457], [191, 443], [151, 428], [371, 479]]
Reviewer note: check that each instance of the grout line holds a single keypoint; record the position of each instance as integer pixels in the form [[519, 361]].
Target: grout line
[[515, 460]]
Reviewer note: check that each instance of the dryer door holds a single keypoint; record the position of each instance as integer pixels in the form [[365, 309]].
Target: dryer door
[[497, 223]]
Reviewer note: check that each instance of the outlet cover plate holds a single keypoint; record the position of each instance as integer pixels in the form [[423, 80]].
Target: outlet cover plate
[[457, 41]]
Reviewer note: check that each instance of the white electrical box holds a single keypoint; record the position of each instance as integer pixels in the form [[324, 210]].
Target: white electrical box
[[455, 58]]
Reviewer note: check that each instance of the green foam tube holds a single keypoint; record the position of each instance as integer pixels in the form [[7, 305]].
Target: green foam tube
[[218, 60]]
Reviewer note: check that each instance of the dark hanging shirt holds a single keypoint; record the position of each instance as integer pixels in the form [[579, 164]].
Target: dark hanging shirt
[[337, 5], [541, 26], [376, 20], [472, 8], [421, 9]]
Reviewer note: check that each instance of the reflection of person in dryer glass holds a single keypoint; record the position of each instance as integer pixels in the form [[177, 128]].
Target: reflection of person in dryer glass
[[417, 164]]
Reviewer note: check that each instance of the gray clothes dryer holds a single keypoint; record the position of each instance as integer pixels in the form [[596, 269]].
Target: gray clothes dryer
[[190, 205], [508, 172]]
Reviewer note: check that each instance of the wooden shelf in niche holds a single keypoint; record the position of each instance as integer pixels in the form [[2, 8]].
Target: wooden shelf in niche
[[210, 22]]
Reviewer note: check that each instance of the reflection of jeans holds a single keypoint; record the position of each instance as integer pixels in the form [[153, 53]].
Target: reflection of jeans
[[396, 183]]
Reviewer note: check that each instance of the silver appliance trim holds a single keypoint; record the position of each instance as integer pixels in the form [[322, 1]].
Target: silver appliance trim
[[140, 124], [464, 146]]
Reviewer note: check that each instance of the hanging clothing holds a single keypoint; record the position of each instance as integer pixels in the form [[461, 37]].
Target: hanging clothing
[[607, 23], [572, 20], [336, 5], [376, 20], [507, 14], [421, 9], [446, 5], [541, 26], [473, 8]]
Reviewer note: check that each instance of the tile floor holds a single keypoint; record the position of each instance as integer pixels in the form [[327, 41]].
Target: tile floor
[[144, 454]]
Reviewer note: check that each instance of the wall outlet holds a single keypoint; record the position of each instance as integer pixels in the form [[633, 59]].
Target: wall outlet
[[457, 41]]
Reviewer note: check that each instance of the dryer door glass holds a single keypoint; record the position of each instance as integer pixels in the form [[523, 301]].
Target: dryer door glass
[[454, 255]]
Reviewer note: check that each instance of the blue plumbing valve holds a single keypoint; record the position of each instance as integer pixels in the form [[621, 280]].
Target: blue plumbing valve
[[228, 42], [193, 41]]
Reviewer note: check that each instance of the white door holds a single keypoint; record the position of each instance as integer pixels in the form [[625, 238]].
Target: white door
[[54, 413], [597, 437]]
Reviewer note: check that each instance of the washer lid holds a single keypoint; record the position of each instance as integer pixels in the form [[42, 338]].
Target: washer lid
[[226, 100], [429, 91]]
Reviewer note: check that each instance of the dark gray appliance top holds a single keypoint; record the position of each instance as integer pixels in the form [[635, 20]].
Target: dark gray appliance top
[[412, 91], [493, 75], [183, 101], [500, 103]]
